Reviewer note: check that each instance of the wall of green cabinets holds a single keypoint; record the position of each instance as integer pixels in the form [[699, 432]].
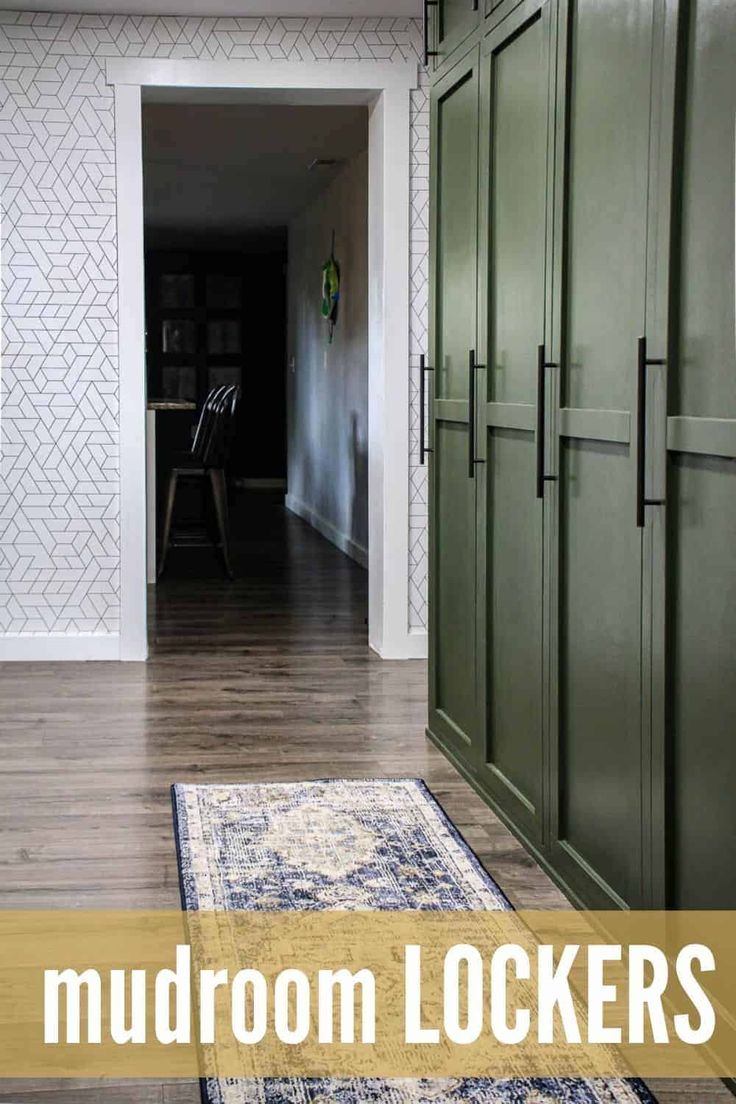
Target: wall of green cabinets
[[582, 422]]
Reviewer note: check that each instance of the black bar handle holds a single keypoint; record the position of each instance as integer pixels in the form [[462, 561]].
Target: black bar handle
[[641, 429], [542, 365], [541, 416], [427, 52], [423, 369], [473, 367], [471, 414], [643, 362]]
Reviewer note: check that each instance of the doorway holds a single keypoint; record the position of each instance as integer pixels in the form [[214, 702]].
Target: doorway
[[245, 206], [385, 90]]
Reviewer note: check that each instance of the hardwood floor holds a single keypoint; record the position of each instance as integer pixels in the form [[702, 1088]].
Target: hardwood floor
[[266, 678]]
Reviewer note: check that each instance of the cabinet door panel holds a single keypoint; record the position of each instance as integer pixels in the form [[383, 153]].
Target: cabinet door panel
[[599, 754], [514, 627], [705, 384], [702, 688], [515, 168], [701, 489], [453, 20], [518, 90], [608, 170], [599, 771], [453, 321], [456, 233], [454, 594]]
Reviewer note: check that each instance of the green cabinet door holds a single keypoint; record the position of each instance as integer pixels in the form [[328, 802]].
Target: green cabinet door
[[599, 727], [453, 717], [451, 22], [701, 490], [516, 156]]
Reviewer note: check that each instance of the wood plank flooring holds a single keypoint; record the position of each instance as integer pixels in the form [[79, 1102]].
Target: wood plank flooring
[[266, 678]]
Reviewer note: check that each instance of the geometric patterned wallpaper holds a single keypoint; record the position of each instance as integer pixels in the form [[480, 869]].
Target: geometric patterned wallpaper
[[419, 268], [59, 530]]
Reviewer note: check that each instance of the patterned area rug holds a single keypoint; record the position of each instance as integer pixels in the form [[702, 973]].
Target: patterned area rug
[[366, 844]]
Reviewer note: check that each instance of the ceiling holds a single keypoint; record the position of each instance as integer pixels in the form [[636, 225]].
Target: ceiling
[[238, 171], [222, 7]]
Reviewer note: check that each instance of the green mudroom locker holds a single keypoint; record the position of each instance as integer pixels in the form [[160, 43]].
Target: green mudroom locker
[[581, 382]]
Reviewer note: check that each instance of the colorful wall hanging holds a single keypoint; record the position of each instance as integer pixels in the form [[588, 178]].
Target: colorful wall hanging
[[331, 290]]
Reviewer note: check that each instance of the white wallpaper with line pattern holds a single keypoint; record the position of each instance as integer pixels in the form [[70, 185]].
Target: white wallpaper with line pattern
[[59, 523]]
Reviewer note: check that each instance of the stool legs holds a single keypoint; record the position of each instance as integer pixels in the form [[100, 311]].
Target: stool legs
[[169, 513], [219, 495], [219, 498]]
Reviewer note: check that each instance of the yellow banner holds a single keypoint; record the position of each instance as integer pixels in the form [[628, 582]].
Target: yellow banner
[[366, 994]]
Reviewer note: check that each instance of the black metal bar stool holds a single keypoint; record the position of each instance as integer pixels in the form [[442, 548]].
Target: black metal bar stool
[[207, 459]]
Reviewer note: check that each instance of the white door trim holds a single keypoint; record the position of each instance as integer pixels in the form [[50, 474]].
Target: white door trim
[[387, 86], [277, 75]]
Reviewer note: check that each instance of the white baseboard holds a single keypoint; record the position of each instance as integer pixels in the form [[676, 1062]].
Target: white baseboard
[[58, 647], [415, 645], [328, 530]]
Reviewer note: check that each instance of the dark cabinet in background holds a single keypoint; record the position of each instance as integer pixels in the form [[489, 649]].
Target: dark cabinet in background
[[213, 318], [583, 422]]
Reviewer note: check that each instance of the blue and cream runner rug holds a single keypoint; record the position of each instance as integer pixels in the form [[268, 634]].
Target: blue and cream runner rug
[[338, 844]]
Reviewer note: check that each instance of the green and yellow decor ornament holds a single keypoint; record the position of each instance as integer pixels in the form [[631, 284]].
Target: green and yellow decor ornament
[[331, 290]]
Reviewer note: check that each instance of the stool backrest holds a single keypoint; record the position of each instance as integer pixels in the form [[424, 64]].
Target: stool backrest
[[216, 426], [205, 421]]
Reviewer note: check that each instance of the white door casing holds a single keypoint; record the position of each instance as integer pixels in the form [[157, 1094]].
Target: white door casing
[[386, 87]]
